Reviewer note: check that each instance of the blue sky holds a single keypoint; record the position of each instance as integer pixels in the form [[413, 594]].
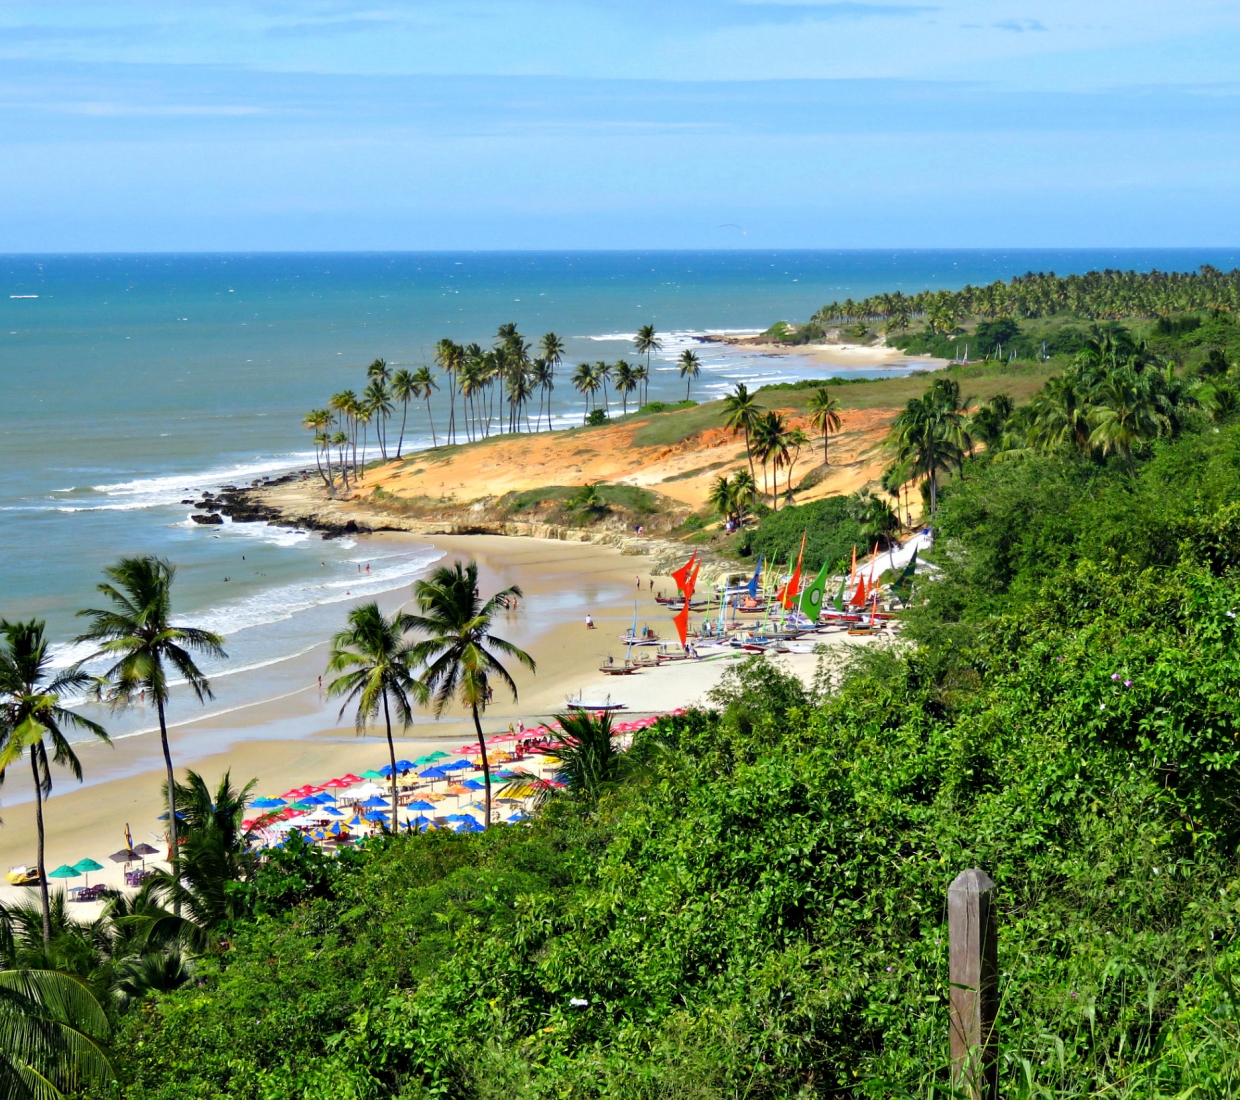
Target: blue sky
[[621, 124]]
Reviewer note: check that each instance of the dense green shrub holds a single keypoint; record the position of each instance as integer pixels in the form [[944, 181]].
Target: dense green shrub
[[830, 534]]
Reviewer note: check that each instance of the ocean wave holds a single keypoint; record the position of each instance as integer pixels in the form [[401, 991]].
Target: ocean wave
[[677, 334]]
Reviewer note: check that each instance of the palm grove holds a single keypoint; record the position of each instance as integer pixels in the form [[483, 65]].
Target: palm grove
[[506, 388], [66, 981]]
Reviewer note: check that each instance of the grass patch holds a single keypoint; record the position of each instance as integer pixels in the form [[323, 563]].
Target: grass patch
[[698, 471]]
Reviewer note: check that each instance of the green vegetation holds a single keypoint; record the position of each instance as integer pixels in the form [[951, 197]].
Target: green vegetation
[[556, 503], [831, 531]]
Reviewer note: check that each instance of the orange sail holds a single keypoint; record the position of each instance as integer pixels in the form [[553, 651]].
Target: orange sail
[[859, 596], [794, 586], [682, 574], [681, 619]]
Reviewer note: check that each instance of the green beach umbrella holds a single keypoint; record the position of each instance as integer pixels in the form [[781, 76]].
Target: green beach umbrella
[[64, 871], [437, 755], [372, 774], [86, 866]]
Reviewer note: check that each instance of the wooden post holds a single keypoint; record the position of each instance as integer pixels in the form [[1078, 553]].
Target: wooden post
[[974, 975]]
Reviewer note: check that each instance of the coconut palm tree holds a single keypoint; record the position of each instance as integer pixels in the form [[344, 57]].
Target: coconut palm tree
[[585, 383], [340, 441], [641, 375], [769, 445], [587, 757], [378, 408], [927, 436], [645, 343], [795, 440], [552, 348], [52, 1035], [824, 412], [689, 368], [137, 635], [317, 421], [602, 374], [425, 382], [31, 715], [542, 375], [741, 411], [376, 664], [625, 383], [404, 390], [459, 651]]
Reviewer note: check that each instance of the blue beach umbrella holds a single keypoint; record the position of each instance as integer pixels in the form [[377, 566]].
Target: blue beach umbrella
[[470, 826], [433, 773], [376, 815], [518, 816], [267, 803], [404, 765], [457, 765], [374, 802], [421, 804], [474, 785], [422, 822], [459, 817], [331, 811]]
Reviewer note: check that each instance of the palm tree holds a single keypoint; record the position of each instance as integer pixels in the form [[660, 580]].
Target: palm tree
[[379, 407], [377, 663], [52, 1031], [584, 382], [824, 410], [553, 354], [425, 382], [722, 497], [456, 655], [602, 372], [927, 434], [542, 375], [378, 375], [641, 375], [340, 441], [645, 343], [31, 714], [216, 851], [770, 445], [405, 388], [317, 421], [689, 368], [1126, 419], [137, 635], [794, 440], [626, 383], [588, 759], [741, 411]]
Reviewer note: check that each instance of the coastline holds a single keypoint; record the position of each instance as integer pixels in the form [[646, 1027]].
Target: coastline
[[853, 356]]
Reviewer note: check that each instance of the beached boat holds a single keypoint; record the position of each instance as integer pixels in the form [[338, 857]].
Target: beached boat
[[612, 667], [23, 876], [596, 708], [645, 637]]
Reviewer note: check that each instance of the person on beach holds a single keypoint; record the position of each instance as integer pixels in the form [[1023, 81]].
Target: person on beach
[[589, 621]]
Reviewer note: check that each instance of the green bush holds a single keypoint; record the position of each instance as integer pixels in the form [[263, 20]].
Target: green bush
[[830, 534]]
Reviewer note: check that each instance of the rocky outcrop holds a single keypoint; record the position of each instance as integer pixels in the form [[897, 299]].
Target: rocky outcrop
[[211, 519]]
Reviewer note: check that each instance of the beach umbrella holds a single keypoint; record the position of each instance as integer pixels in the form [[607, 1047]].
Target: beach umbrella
[[374, 803], [86, 866], [335, 828], [64, 871], [350, 779], [376, 815], [125, 855], [434, 773], [356, 820], [470, 826], [421, 804], [457, 765], [474, 785], [459, 817], [422, 822], [268, 803], [372, 774], [338, 784], [518, 816], [331, 811]]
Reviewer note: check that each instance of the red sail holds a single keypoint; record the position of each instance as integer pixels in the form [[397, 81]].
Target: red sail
[[859, 597], [794, 586], [682, 574], [681, 619]]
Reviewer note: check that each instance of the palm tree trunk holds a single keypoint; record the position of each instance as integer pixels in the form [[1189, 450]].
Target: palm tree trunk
[[431, 418], [486, 767], [38, 819], [172, 813], [400, 441], [826, 435], [387, 718], [749, 454]]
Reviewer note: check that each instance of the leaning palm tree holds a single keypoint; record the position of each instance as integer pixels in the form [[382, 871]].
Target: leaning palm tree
[[553, 355], [52, 1035], [317, 421], [457, 651], [377, 666], [626, 383], [824, 411], [741, 411], [641, 375], [584, 382], [137, 635], [379, 403], [425, 381], [689, 368], [31, 715], [646, 342], [404, 389]]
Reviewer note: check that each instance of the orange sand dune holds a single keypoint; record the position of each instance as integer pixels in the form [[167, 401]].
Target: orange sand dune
[[682, 471]]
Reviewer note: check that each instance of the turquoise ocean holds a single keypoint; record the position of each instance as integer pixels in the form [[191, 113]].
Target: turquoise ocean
[[133, 382]]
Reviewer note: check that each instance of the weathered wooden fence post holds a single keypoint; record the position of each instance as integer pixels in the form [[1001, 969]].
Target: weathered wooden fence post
[[973, 937]]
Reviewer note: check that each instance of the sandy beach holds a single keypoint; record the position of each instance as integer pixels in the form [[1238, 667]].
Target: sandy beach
[[299, 739]]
